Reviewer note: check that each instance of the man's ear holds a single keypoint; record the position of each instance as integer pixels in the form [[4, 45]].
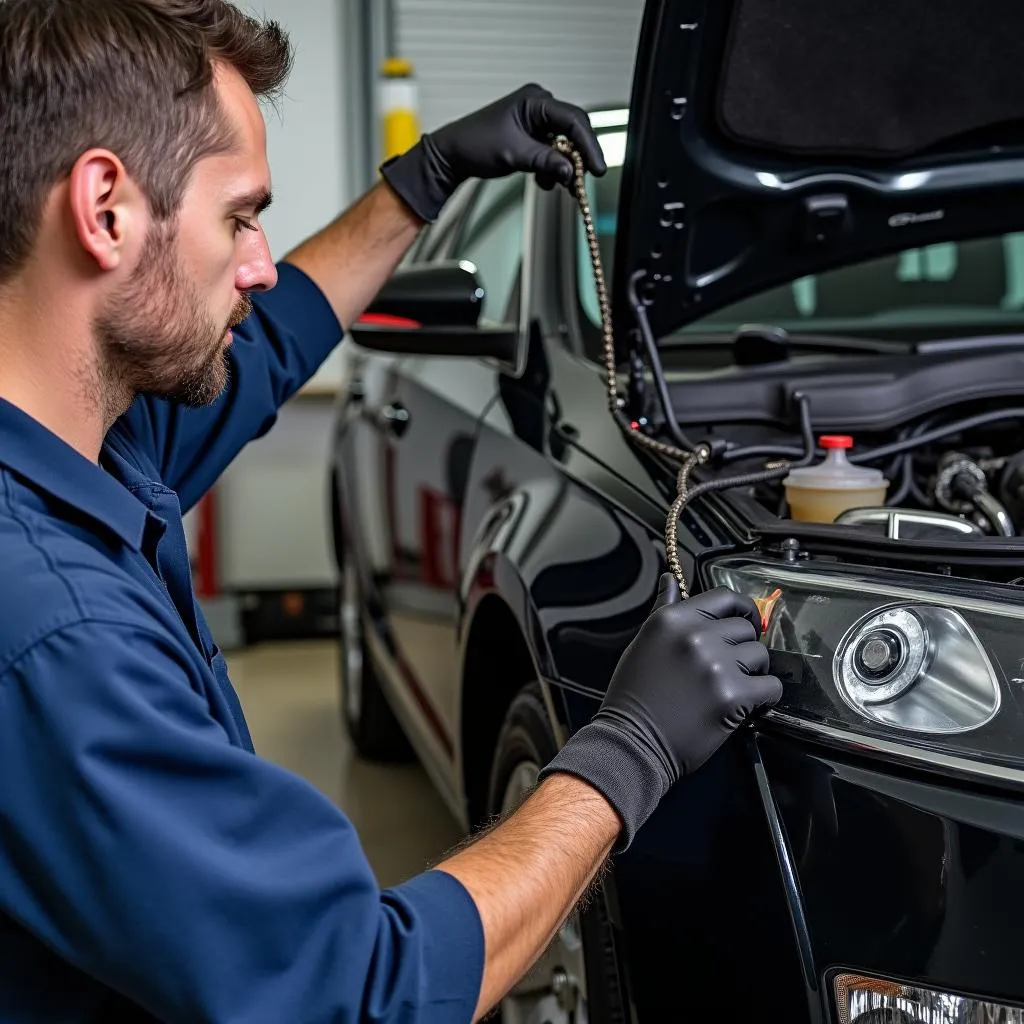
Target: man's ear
[[103, 206]]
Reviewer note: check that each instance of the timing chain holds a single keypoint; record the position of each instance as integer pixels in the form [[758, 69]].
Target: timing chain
[[687, 460]]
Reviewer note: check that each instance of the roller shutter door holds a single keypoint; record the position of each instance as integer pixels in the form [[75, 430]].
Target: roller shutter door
[[468, 52]]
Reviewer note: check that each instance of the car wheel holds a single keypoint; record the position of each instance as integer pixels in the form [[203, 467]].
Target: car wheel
[[575, 981], [368, 718]]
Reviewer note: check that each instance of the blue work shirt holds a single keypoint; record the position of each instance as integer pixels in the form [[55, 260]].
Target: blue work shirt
[[151, 865]]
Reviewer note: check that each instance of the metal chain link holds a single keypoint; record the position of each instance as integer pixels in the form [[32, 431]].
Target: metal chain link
[[688, 460]]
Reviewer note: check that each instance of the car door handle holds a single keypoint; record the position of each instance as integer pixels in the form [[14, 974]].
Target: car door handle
[[393, 419]]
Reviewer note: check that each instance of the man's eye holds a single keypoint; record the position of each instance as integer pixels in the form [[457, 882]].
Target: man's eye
[[242, 224]]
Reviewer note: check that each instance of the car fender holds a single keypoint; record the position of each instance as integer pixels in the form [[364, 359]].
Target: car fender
[[494, 563], [492, 572]]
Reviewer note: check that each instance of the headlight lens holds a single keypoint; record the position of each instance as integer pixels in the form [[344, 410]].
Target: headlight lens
[[935, 663], [862, 1000], [917, 667]]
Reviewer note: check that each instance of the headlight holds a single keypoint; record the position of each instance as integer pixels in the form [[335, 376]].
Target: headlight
[[934, 663]]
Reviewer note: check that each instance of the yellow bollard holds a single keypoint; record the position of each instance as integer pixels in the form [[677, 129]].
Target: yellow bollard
[[400, 129]]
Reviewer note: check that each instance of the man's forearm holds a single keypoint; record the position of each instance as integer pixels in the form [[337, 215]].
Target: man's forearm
[[527, 875], [351, 258]]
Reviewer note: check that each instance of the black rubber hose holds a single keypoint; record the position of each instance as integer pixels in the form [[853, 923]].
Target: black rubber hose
[[970, 423], [807, 430], [885, 451], [919, 496], [908, 484], [762, 451], [906, 481], [729, 482], [806, 454], [664, 399]]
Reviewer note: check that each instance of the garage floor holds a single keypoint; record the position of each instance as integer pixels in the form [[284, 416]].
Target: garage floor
[[290, 695]]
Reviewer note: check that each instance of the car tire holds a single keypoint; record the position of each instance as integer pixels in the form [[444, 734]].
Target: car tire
[[366, 714], [587, 990]]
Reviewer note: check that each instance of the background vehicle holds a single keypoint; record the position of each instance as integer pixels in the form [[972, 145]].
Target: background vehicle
[[491, 512]]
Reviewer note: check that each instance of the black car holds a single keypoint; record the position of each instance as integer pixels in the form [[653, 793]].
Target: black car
[[814, 225]]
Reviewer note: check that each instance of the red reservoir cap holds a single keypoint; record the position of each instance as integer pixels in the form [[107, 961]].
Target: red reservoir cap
[[831, 441]]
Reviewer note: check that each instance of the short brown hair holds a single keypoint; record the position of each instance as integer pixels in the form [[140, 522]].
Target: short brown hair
[[131, 76]]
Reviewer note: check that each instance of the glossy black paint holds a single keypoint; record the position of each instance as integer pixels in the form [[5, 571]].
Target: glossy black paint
[[487, 342], [432, 309], [442, 294], [514, 532], [902, 874]]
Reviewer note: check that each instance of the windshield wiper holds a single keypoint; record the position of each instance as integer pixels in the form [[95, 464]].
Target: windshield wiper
[[756, 344], [753, 344], [759, 344]]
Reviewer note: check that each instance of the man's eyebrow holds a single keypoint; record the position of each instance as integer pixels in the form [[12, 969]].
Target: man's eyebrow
[[258, 200]]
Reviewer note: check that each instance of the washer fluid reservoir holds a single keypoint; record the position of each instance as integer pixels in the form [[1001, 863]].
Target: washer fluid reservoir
[[818, 494]]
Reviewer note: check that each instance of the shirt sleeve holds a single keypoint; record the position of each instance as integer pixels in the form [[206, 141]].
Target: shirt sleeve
[[191, 876], [275, 351]]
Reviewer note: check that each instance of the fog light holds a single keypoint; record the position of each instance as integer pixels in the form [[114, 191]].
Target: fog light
[[863, 1000]]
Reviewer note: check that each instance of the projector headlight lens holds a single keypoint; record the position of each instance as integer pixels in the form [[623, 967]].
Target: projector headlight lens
[[918, 668]]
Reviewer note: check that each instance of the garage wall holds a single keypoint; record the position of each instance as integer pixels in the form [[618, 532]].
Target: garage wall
[[467, 52], [272, 501]]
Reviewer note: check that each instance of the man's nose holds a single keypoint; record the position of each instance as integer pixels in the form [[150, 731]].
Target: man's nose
[[258, 273]]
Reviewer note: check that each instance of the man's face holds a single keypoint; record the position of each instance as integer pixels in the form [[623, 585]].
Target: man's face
[[167, 329]]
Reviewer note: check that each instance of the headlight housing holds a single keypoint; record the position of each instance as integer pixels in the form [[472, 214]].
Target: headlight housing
[[936, 664], [868, 1000]]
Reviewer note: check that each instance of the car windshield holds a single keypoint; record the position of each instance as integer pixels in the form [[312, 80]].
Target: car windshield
[[952, 288]]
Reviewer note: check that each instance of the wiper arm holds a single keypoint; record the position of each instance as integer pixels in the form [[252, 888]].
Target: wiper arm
[[973, 343], [756, 344]]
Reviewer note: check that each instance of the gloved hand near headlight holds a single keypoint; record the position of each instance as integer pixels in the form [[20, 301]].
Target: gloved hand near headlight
[[512, 134], [695, 672]]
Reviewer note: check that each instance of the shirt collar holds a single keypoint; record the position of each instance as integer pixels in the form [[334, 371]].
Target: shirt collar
[[52, 465]]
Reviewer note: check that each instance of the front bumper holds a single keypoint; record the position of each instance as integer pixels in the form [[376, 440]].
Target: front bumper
[[782, 864], [900, 875]]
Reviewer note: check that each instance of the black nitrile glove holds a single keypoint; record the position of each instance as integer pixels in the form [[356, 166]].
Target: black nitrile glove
[[695, 672], [512, 134]]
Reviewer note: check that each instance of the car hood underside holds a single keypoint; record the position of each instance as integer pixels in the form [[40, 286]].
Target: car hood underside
[[770, 139]]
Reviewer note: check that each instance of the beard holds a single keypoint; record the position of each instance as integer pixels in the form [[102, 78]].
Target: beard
[[156, 337]]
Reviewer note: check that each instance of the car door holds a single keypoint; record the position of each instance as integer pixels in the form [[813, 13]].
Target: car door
[[429, 422]]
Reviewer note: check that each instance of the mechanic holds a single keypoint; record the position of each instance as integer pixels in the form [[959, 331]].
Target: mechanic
[[151, 866]]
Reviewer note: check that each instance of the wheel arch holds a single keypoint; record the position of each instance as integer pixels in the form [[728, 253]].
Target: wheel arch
[[499, 618]]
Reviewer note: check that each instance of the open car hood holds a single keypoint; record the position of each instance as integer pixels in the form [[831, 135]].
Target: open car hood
[[773, 139]]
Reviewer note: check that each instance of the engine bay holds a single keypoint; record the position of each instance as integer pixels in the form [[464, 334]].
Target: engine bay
[[955, 472], [975, 476], [932, 442]]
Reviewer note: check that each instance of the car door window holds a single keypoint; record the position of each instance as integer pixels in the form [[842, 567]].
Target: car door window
[[431, 242], [491, 239]]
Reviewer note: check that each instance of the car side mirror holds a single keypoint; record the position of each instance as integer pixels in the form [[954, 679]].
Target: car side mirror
[[434, 310]]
